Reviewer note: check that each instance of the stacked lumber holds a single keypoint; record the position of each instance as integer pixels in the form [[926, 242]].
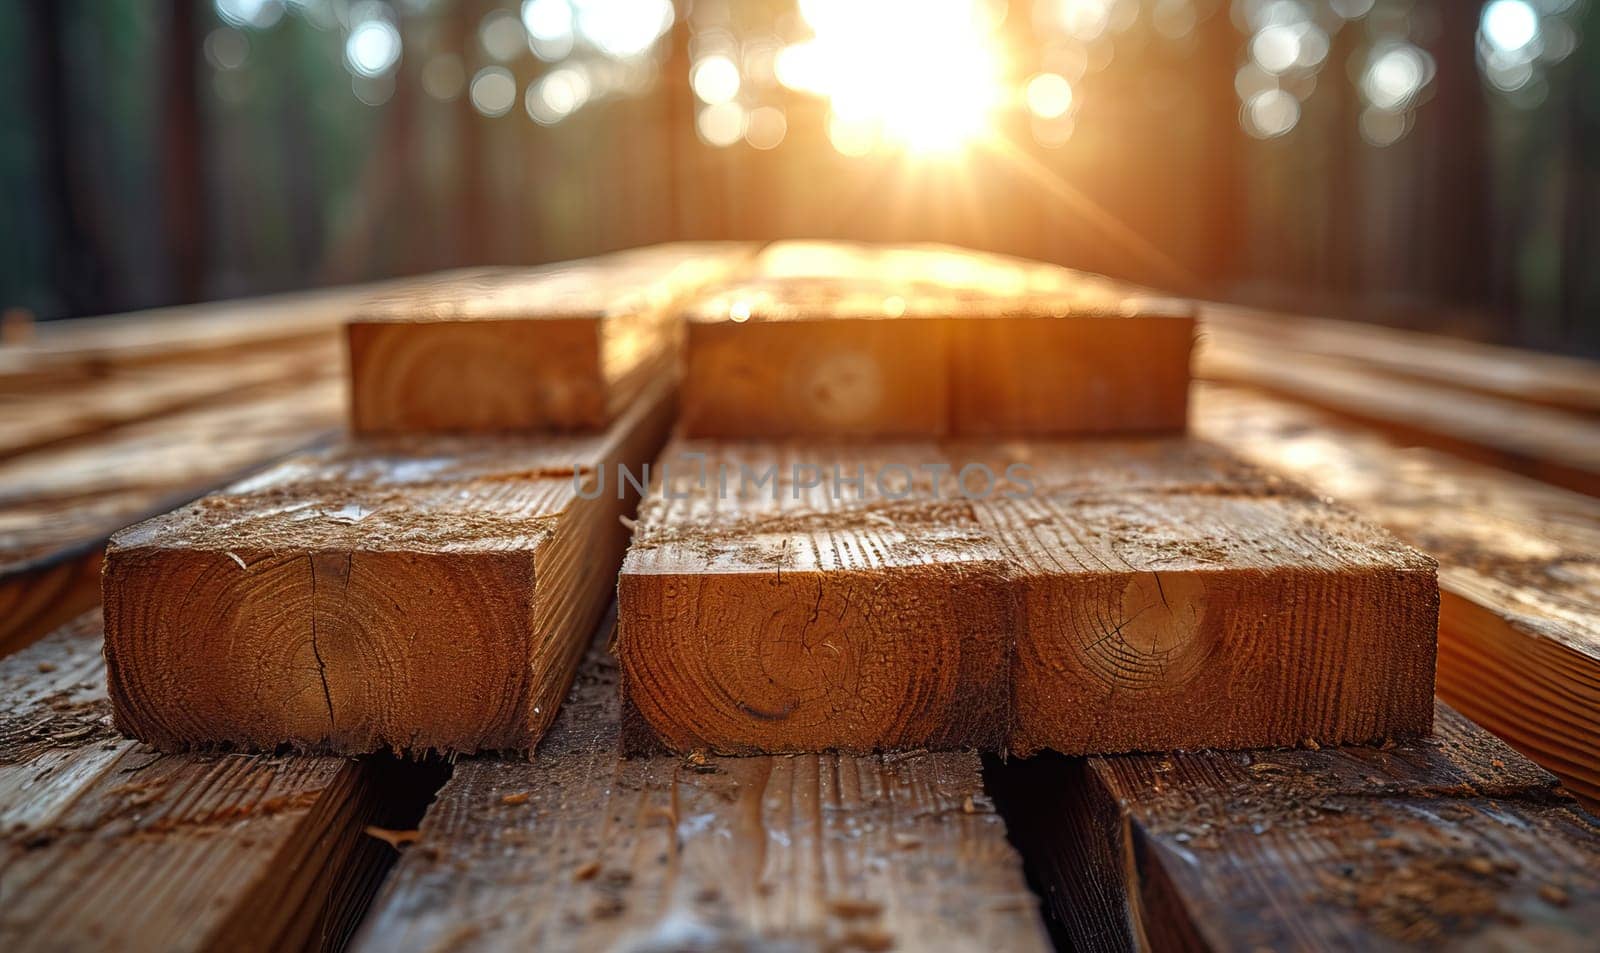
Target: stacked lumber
[[1554, 445], [1522, 376], [106, 421], [58, 506], [83, 350], [104, 844], [86, 349], [566, 347], [1519, 639], [795, 595], [413, 593], [49, 416], [1454, 840], [581, 849], [835, 339], [1114, 596]]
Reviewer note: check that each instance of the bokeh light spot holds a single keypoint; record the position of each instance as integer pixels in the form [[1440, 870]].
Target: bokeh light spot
[[493, 91], [1049, 95]]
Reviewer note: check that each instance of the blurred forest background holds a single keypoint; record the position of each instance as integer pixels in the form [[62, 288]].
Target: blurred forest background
[[1425, 163]]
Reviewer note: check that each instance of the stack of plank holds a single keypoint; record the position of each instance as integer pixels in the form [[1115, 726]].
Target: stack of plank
[[922, 502], [1529, 413], [104, 422], [423, 590], [429, 585], [938, 582]]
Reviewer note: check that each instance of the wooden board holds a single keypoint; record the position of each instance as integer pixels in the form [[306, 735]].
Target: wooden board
[[1172, 596], [585, 850], [1548, 380], [564, 347], [1119, 595], [48, 416], [770, 623], [833, 339], [410, 593], [1550, 445], [1519, 569], [1450, 842], [87, 349], [104, 844], [59, 506]]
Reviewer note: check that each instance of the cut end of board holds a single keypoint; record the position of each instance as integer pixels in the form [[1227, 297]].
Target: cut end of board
[[476, 376], [254, 648], [560, 348], [919, 341], [1175, 598], [775, 617], [417, 594], [766, 662]]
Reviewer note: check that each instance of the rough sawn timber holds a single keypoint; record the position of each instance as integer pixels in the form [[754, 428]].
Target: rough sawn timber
[[1519, 569], [563, 347], [45, 417], [105, 844], [832, 339], [58, 506], [1531, 377], [1116, 596], [1454, 841], [411, 593], [583, 849], [1172, 596], [1548, 444], [787, 617]]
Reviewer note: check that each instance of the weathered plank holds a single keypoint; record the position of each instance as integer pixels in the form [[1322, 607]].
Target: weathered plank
[[1519, 569], [831, 339], [1451, 841], [1075, 596], [564, 347], [1172, 596], [108, 845], [1551, 445], [410, 593], [585, 850], [1548, 380], [59, 506]]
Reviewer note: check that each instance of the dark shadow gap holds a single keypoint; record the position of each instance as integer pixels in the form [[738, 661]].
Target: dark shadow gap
[[1054, 821], [396, 793]]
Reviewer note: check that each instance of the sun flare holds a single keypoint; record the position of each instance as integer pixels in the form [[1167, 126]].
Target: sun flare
[[920, 75]]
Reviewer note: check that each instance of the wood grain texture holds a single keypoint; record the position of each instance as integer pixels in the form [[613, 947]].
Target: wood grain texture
[[794, 620], [1531, 377], [1116, 596], [59, 506], [108, 845], [585, 850], [1175, 597], [404, 593], [1552, 445], [1450, 842], [830, 339], [563, 347], [1519, 569]]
